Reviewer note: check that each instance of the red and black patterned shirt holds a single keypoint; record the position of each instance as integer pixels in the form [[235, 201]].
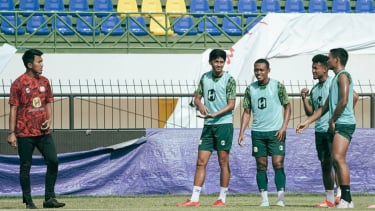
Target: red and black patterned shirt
[[30, 95]]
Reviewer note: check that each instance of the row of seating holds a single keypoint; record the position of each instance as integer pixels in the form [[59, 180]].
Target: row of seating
[[196, 6], [114, 25]]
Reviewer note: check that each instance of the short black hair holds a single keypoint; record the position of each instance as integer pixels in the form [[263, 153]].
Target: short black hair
[[320, 58], [340, 53], [29, 55], [263, 61], [217, 53]]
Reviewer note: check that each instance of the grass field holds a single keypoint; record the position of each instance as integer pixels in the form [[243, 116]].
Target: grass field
[[168, 202]]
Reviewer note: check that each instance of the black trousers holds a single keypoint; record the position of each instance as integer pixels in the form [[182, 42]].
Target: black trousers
[[46, 147]]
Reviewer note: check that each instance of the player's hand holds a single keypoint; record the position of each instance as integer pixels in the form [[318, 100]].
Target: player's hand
[[332, 126], [241, 140], [304, 92], [281, 135], [12, 140], [301, 127], [46, 125]]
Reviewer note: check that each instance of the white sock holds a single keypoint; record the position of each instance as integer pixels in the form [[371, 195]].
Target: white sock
[[223, 194], [280, 195], [338, 193], [330, 195], [196, 193], [264, 195]]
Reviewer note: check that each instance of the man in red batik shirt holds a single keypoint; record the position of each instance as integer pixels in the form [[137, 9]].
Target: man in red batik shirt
[[29, 126]]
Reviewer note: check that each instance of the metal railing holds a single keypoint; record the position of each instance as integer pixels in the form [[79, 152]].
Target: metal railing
[[113, 105]]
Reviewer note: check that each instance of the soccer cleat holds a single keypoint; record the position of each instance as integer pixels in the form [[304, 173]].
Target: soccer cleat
[[189, 203], [337, 199], [52, 203], [280, 203], [345, 205], [325, 204], [218, 203], [31, 206], [265, 204]]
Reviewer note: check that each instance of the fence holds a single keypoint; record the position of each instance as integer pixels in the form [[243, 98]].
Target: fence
[[115, 105]]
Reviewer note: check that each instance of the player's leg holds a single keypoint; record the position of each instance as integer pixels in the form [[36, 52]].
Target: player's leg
[[259, 151], [277, 151]]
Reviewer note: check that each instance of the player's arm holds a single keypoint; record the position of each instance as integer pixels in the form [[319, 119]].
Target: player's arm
[[307, 106], [47, 123], [344, 83], [198, 98], [355, 98], [12, 139], [284, 100], [245, 118]]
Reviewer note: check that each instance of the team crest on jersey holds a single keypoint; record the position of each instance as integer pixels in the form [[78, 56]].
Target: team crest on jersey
[[27, 90], [255, 149], [222, 142], [37, 103], [281, 148], [42, 89]]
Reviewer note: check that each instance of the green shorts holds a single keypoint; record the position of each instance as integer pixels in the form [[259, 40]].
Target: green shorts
[[322, 144], [266, 144], [216, 137], [346, 130]]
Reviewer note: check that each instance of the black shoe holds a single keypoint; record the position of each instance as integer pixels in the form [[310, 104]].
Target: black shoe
[[52, 203], [31, 206]]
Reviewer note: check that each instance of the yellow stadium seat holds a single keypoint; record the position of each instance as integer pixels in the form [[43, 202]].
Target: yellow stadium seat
[[127, 6], [151, 6], [175, 6], [160, 26]]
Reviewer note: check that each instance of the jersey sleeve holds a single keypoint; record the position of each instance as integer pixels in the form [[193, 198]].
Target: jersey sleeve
[[199, 90], [283, 95], [231, 89], [246, 99]]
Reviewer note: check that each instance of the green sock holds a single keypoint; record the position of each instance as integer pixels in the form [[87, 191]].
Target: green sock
[[280, 179], [345, 193], [262, 180]]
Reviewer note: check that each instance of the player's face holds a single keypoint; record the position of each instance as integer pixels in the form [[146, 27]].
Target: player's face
[[261, 72], [332, 61], [318, 70], [37, 66], [217, 66]]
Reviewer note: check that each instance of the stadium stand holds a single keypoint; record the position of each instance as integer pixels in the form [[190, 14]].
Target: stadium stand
[[223, 6], [364, 6], [294, 6], [103, 7], [63, 25], [137, 25], [199, 7], [53, 6], [174, 8], [270, 6], [247, 7], [11, 25], [29, 6], [151, 6], [86, 25], [251, 22], [111, 25], [232, 25], [185, 26], [209, 25], [79, 7], [37, 24], [160, 25], [318, 6], [341, 6], [127, 6], [7, 5]]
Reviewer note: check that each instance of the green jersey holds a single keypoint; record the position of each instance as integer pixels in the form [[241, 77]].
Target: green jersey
[[318, 96]]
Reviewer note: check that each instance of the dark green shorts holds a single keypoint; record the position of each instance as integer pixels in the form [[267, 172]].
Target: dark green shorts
[[322, 144], [216, 137], [266, 144], [346, 130]]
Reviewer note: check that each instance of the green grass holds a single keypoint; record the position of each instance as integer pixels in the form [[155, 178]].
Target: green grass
[[168, 202]]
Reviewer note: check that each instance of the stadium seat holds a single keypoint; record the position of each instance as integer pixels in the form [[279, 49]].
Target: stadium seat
[[364, 6], [102, 7], [86, 25], [232, 25], [184, 25], [29, 6], [223, 6], [247, 7], [270, 6], [53, 6], [111, 25], [151, 6], [160, 25], [63, 25], [37, 24], [136, 25], [209, 25], [9, 26], [7, 5], [174, 8], [294, 6], [252, 21], [127, 6], [318, 6], [79, 6], [341, 6], [199, 6]]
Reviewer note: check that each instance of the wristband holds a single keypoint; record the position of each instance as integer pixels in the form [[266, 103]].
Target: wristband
[[10, 132]]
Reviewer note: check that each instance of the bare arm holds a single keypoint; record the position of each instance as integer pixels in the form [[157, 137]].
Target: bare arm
[[316, 115], [12, 139], [306, 105], [281, 133], [245, 119], [47, 123]]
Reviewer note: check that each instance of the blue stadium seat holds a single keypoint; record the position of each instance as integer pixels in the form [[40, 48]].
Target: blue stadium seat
[[209, 25], [53, 6], [86, 25], [252, 21], [137, 25], [341, 6], [111, 25], [270, 6], [184, 25], [9, 26], [29, 6], [103, 7], [79, 6], [318, 6], [37, 24], [247, 7], [294, 6], [7, 5], [232, 25], [223, 6], [199, 6], [364, 6], [63, 25]]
